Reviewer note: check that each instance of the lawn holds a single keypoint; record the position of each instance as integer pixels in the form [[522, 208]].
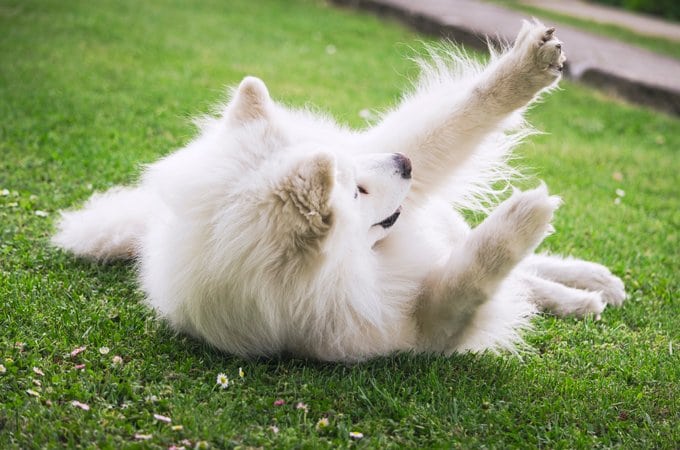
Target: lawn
[[89, 91]]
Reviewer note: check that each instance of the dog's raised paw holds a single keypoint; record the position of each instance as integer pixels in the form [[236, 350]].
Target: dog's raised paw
[[540, 49], [527, 216], [550, 57]]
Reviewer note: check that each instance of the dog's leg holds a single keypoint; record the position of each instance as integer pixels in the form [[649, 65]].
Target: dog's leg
[[448, 117], [561, 300], [473, 273], [578, 274]]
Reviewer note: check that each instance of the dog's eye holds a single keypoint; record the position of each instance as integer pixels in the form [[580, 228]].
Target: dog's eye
[[362, 190]]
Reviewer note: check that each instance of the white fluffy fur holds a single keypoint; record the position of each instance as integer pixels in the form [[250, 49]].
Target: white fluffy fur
[[255, 238]]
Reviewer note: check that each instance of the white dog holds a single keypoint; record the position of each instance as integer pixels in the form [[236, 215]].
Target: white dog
[[278, 231]]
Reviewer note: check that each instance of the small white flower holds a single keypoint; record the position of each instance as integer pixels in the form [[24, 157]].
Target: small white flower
[[83, 406], [37, 371], [620, 192], [4, 192], [162, 418], [104, 350], [41, 213], [274, 429], [78, 350], [356, 435], [3, 369], [222, 380], [32, 393], [241, 374], [301, 406], [322, 423], [177, 428], [617, 201], [117, 360], [151, 399], [143, 437]]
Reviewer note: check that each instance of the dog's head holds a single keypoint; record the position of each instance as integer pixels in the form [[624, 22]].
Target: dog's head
[[327, 195], [311, 193]]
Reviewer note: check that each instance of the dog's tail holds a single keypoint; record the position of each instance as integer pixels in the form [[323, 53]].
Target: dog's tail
[[108, 226]]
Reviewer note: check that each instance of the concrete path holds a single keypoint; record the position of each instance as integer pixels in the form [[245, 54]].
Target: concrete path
[[639, 23], [621, 69]]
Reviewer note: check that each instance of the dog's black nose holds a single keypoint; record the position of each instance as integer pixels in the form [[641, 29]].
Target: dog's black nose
[[404, 165]]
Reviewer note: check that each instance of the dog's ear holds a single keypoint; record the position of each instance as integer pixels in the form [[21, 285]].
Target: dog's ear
[[250, 101], [307, 190]]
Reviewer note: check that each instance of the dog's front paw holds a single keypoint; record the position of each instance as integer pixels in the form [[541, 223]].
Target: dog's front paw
[[527, 216], [540, 52]]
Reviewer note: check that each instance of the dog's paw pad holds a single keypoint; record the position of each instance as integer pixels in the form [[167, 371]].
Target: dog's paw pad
[[550, 56], [539, 48]]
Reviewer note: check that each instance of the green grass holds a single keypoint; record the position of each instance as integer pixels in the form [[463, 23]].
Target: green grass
[[656, 44], [91, 90]]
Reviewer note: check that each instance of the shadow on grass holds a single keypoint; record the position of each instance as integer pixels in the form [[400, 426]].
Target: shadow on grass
[[482, 371], [379, 384]]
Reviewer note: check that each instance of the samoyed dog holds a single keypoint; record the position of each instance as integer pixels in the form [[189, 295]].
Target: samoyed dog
[[278, 231]]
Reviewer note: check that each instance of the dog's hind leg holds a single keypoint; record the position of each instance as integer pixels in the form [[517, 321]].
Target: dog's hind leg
[[109, 224], [578, 274], [455, 109], [561, 300], [473, 273]]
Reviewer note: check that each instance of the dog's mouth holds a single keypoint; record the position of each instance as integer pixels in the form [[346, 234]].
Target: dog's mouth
[[390, 220]]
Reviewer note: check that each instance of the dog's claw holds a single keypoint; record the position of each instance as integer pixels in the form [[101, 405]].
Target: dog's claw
[[547, 35]]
